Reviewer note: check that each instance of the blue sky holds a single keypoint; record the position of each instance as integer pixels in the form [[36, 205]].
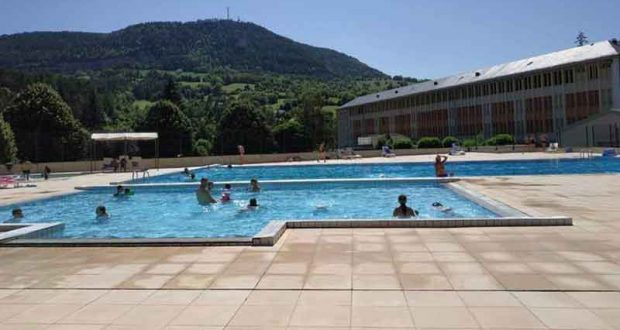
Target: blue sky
[[415, 38]]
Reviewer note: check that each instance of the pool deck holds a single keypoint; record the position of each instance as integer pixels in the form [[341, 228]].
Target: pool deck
[[469, 278]]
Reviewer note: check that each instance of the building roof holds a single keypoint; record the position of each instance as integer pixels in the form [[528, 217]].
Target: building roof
[[573, 55]]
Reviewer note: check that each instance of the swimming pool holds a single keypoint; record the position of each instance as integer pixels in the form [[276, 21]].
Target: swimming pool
[[173, 211], [395, 170]]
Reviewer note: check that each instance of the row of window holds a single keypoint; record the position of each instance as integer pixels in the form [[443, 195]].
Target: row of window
[[581, 73], [536, 115]]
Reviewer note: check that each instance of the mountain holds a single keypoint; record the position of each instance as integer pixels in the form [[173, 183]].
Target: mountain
[[194, 46]]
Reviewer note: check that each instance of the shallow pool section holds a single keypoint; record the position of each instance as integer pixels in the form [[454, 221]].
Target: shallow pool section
[[401, 170], [174, 212]]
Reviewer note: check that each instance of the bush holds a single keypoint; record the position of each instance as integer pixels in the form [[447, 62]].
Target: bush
[[8, 148], [202, 147], [470, 143], [402, 142], [503, 139], [429, 142], [499, 140], [448, 141]]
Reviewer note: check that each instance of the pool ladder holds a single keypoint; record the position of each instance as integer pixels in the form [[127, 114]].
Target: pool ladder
[[586, 154]]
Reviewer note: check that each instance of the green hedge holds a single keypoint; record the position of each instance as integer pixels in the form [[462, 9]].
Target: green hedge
[[402, 142], [500, 140], [429, 142], [448, 141]]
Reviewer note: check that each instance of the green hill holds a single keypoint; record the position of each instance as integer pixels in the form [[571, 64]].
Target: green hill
[[199, 46]]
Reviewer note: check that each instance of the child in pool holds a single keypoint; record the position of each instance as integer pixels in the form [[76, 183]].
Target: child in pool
[[439, 207], [226, 193]]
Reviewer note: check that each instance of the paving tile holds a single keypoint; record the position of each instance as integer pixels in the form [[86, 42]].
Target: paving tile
[[75, 327], [285, 297], [149, 316], [489, 299], [546, 299], [381, 317], [205, 268], [325, 298], [378, 298], [597, 299], [146, 281], [433, 299], [263, 315], [8, 311], [328, 282], [474, 282], [190, 281], [97, 314], [233, 281], [577, 282], [222, 297], [443, 317], [46, 314], [205, 315], [569, 318], [29, 297], [506, 317], [321, 316], [425, 282], [288, 282], [419, 268], [172, 297], [609, 316], [375, 282], [124, 296], [524, 282], [77, 296], [166, 269]]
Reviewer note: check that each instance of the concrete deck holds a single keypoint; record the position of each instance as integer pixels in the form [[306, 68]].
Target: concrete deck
[[491, 278]]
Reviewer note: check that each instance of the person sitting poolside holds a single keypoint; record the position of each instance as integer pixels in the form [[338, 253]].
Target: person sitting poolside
[[403, 211], [226, 194], [439, 207], [17, 216], [120, 192], [254, 187], [203, 195], [101, 212]]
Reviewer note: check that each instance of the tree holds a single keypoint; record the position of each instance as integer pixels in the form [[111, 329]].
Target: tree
[[173, 127], [44, 126], [8, 148], [581, 39], [171, 92], [290, 136], [244, 124]]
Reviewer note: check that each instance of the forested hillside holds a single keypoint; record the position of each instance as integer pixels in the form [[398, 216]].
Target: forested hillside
[[203, 95], [196, 46]]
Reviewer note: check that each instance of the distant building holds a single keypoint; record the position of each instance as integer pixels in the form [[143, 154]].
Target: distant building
[[535, 98]]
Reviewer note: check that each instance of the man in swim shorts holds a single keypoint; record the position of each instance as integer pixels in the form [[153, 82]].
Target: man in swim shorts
[[203, 195]]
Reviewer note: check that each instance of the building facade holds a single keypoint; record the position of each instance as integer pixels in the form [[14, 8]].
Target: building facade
[[535, 98]]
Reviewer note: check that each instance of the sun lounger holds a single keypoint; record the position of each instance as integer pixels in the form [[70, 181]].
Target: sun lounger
[[553, 147], [9, 181], [347, 153]]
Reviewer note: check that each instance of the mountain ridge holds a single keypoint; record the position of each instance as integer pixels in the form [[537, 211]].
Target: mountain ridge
[[200, 46]]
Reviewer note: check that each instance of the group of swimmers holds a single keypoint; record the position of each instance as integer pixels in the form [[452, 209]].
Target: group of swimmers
[[204, 197]]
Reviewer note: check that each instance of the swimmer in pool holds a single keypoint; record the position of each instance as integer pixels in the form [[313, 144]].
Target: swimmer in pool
[[252, 205], [203, 195], [439, 207], [119, 191], [192, 176], [403, 211], [17, 216], [101, 212], [226, 194], [128, 192], [254, 187], [186, 171]]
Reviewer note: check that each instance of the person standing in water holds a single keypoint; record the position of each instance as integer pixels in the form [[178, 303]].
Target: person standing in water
[[322, 153], [404, 211], [241, 154], [440, 166], [254, 187], [203, 195]]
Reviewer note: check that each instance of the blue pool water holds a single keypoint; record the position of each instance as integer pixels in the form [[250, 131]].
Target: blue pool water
[[173, 212], [486, 168]]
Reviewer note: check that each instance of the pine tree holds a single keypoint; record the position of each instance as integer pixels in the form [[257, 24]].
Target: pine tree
[[8, 148], [581, 39], [171, 92]]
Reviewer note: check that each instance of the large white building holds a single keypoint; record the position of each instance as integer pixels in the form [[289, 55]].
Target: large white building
[[570, 96]]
